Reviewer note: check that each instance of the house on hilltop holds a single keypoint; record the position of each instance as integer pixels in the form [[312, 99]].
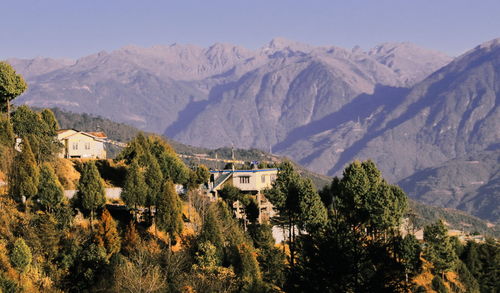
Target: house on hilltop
[[82, 145], [252, 182]]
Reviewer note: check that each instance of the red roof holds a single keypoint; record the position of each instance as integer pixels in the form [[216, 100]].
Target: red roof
[[98, 134]]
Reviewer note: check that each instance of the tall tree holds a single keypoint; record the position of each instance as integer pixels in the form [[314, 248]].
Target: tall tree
[[25, 174], [50, 191], [41, 128], [11, 85], [91, 194], [357, 250], [135, 189], [439, 248], [107, 234], [154, 182], [169, 212], [298, 204]]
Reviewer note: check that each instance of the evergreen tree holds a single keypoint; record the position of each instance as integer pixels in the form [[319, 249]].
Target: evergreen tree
[[51, 124], [50, 192], [107, 234], [134, 190], [154, 182], [358, 250], [271, 259], [91, 194], [489, 252], [169, 212], [171, 165], [11, 85], [25, 174], [211, 231], [20, 255], [6, 132], [439, 249], [408, 251], [298, 204], [41, 128]]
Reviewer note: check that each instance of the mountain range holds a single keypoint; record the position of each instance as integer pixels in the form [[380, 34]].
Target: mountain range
[[406, 107]]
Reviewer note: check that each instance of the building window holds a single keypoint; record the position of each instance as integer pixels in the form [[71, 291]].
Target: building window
[[244, 179], [273, 178], [263, 178], [87, 145], [75, 146]]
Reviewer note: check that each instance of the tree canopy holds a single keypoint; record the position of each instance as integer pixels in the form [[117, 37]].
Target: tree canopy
[[11, 84]]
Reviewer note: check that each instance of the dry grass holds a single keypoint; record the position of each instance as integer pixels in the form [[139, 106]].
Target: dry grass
[[425, 278], [66, 173]]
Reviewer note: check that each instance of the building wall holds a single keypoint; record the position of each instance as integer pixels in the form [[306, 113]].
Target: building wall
[[254, 180], [83, 146]]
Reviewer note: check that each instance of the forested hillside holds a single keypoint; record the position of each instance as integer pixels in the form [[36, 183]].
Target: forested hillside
[[122, 132], [154, 240]]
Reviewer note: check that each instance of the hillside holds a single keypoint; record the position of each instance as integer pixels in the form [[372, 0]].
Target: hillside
[[451, 113], [426, 214], [470, 183]]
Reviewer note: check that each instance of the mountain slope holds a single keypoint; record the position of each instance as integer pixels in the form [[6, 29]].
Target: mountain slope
[[451, 113], [164, 88], [409, 61], [471, 183]]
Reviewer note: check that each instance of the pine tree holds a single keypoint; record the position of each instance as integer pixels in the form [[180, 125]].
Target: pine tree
[[20, 256], [439, 249], [154, 181], [134, 189], [408, 251], [25, 174], [91, 194], [50, 191], [107, 234], [169, 212], [299, 205]]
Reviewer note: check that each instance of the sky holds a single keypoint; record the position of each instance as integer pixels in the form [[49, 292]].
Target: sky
[[72, 29]]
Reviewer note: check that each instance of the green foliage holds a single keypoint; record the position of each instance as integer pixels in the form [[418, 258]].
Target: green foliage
[[483, 262], [6, 132], [135, 189], [298, 203], [90, 196], [141, 147], [88, 267], [7, 285], [50, 192], [408, 251], [41, 128], [271, 259], [439, 248], [169, 211], [359, 249], [20, 255], [466, 278], [368, 201], [438, 285], [230, 194], [25, 174], [11, 84], [154, 181]]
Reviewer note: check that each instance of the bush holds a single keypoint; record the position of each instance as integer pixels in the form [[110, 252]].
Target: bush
[[438, 285]]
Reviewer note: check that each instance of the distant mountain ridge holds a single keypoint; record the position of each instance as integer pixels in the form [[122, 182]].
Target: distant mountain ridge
[[160, 88], [451, 113]]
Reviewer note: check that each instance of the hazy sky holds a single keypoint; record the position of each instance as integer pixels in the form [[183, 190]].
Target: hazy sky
[[66, 28]]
